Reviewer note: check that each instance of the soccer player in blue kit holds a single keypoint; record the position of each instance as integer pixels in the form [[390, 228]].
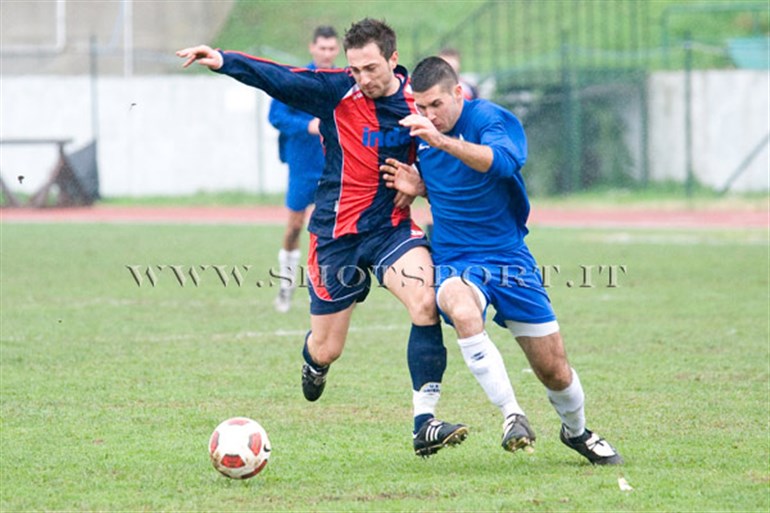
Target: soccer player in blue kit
[[299, 146], [470, 158], [359, 225]]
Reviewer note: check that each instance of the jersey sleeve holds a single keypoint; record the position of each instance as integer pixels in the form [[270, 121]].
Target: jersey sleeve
[[312, 91], [505, 135], [286, 120]]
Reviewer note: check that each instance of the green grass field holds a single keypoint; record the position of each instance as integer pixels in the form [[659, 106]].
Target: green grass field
[[110, 390]]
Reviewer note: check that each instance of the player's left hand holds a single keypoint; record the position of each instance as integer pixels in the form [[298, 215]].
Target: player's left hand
[[403, 200], [420, 126]]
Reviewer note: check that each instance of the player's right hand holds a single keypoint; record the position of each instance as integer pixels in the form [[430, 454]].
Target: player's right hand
[[205, 55], [402, 177]]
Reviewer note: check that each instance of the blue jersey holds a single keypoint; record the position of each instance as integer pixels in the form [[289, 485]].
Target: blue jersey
[[474, 213], [359, 133], [301, 150]]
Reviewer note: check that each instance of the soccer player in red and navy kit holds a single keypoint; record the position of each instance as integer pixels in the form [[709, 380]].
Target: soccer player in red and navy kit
[[359, 225], [470, 156]]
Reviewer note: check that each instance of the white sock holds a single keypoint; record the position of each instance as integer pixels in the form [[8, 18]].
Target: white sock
[[425, 400], [486, 363], [287, 267], [568, 403]]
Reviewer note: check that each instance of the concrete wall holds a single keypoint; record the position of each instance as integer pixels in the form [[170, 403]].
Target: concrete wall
[[175, 135], [53, 36], [165, 135], [730, 118]]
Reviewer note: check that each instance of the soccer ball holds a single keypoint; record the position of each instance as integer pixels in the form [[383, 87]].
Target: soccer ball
[[239, 448]]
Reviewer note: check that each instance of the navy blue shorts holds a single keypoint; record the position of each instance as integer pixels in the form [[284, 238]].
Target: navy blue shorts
[[339, 270]]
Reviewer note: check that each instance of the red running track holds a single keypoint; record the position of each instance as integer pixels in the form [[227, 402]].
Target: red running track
[[270, 215]]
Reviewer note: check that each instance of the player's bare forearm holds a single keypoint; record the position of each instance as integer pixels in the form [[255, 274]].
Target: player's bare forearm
[[475, 156]]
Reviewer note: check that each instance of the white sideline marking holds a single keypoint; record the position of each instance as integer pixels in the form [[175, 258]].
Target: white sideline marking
[[261, 334], [752, 239], [222, 336]]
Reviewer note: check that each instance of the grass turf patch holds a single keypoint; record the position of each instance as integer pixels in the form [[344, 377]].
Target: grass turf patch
[[110, 390]]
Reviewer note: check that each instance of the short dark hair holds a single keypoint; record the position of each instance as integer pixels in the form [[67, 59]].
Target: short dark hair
[[431, 71], [368, 31], [325, 31]]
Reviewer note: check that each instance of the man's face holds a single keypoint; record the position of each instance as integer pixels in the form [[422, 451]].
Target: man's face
[[441, 105], [372, 72], [324, 50]]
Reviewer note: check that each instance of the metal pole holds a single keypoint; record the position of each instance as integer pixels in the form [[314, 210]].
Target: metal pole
[[494, 20], [690, 179], [94, 73], [645, 131], [664, 37], [510, 23], [571, 120], [260, 146], [477, 60], [745, 164], [128, 38], [61, 25]]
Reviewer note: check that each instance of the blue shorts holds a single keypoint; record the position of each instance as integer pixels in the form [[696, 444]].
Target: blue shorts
[[339, 269], [512, 283], [300, 193]]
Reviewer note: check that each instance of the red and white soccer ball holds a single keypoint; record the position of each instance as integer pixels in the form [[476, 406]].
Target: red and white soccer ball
[[239, 448]]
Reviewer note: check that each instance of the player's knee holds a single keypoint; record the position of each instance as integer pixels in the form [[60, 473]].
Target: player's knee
[[556, 376], [293, 233], [422, 308], [465, 314], [466, 319], [295, 225]]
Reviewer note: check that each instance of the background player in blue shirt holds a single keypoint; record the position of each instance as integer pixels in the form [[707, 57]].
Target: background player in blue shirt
[[470, 159], [359, 225], [452, 56], [299, 145]]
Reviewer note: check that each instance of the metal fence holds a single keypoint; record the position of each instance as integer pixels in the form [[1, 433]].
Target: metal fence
[[575, 72]]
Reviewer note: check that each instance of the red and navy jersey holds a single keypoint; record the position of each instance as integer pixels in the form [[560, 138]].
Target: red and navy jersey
[[358, 133]]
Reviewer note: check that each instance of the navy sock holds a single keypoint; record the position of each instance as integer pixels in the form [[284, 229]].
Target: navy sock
[[309, 359], [419, 420], [426, 356]]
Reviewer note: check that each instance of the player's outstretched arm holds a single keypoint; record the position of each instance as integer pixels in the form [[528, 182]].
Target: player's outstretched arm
[[205, 55], [316, 92]]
